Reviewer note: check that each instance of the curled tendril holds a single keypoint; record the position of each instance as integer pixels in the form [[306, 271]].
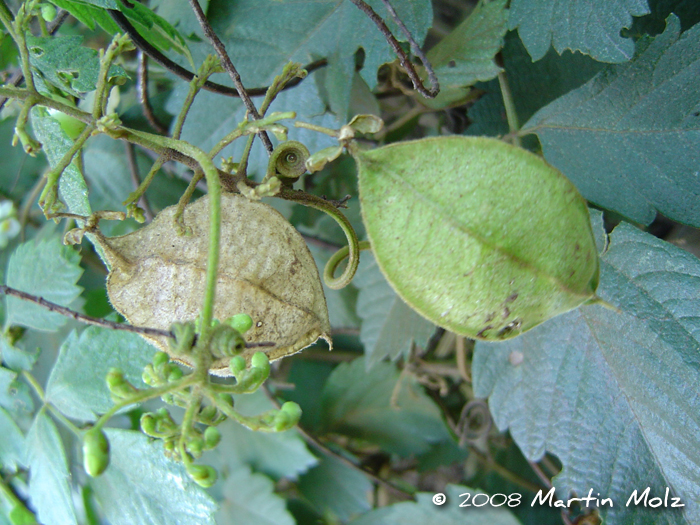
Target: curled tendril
[[288, 161], [338, 257]]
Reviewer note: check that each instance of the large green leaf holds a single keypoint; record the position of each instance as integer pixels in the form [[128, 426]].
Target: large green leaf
[[335, 488], [466, 55], [629, 139], [45, 268], [77, 384], [613, 395], [249, 499], [263, 35], [49, 478], [424, 511], [371, 406], [389, 326], [452, 226], [141, 485], [590, 27], [55, 143]]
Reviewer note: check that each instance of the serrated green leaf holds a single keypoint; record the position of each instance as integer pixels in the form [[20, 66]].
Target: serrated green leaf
[[371, 406], [425, 511], [49, 478], [55, 143], [590, 27], [77, 385], [389, 326], [14, 395], [45, 268], [263, 35], [450, 220], [466, 55], [533, 85], [141, 485], [336, 489], [249, 499], [622, 383], [279, 454], [66, 64], [12, 443], [628, 138]]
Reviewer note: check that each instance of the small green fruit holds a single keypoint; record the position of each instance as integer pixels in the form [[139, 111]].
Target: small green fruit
[[95, 452], [212, 437], [240, 322], [204, 475]]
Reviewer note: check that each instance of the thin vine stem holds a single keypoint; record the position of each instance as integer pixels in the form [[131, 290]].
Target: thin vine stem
[[95, 321], [142, 88], [511, 111], [230, 68], [403, 57], [187, 75]]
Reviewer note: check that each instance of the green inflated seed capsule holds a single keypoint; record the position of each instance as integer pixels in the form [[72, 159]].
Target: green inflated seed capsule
[[494, 241], [95, 452]]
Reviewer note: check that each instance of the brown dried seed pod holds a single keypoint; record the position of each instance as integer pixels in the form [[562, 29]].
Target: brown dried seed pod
[[157, 276]]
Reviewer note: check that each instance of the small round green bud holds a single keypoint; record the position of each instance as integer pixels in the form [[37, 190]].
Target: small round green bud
[[208, 413], [226, 398], [148, 424], [118, 385], [175, 373], [160, 358], [149, 376], [240, 322], [169, 445], [95, 452], [237, 365], [260, 360], [195, 446], [212, 437], [288, 416], [204, 475], [48, 12], [168, 398]]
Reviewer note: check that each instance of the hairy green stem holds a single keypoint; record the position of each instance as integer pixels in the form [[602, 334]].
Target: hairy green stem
[[193, 403], [511, 112], [119, 44], [144, 395], [6, 18], [49, 195]]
